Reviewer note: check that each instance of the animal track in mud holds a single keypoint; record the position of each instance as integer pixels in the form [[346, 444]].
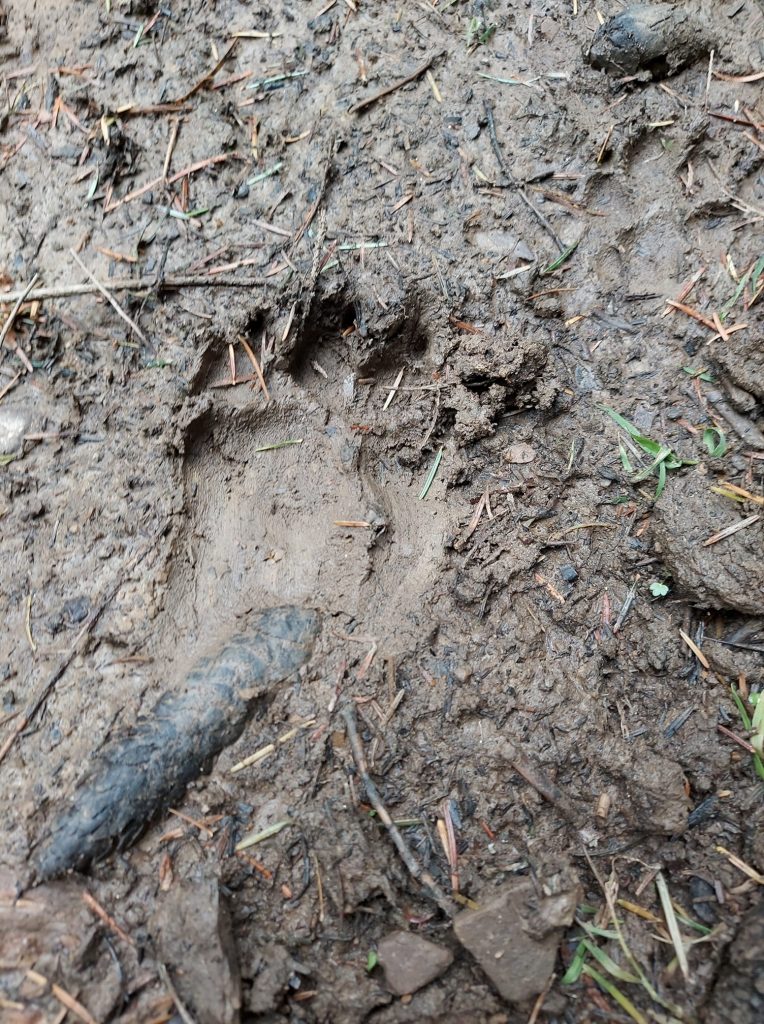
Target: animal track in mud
[[261, 525]]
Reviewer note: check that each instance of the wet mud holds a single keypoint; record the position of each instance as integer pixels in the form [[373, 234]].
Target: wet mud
[[385, 269]]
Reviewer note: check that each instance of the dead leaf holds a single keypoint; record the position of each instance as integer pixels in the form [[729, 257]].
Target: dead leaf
[[519, 453]]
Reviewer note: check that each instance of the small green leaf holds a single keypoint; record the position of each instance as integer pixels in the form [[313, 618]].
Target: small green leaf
[[702, 373], [651, 447], [715, 442], [372, 960], [658, 589], [625, 461]]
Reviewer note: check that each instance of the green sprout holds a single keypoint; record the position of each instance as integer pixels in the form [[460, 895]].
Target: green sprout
[[663, 458], [478, 33], [753, 725], [715, 442]]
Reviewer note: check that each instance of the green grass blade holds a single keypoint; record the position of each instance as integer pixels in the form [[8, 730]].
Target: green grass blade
[[724, 311], [564, 255], [745, 717], [649, 470], [431, 475], [615, 993], [609, 964], [573, 972], [673, 925], [593, 929], [661, 480], [277, 445], [621, 421]]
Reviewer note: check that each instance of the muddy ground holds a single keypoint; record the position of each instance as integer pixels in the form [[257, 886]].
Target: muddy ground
[[508, 640]]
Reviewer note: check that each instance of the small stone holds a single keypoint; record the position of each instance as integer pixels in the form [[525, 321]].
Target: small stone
[[14, 423], [515, 936], [568, 573], [76, 609], [410, 962]]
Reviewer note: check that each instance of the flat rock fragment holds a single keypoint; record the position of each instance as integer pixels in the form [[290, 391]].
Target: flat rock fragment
[[410, 962], [515, 936]]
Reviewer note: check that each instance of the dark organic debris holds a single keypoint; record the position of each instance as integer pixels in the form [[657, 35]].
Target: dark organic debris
[[153, 763], [659, 38]]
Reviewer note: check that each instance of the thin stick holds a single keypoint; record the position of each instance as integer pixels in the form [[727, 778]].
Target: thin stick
[[91, 902], [396, 85], [413, 866], [110, 298], [695, 649], [136, 284], [14, 312], [729, 530], [74, 650], [394, 388], [171, 146], [513, 181], [255, 367], [71, 1004], [183, 1013], [536, 778], [184, 172]]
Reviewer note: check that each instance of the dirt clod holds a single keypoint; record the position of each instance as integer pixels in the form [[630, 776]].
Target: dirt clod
[[659, 38], [191, 925], [727, 574]]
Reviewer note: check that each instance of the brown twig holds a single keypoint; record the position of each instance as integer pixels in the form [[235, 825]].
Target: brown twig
[[135, 284], [25, 293], [19, 300], [256, 367], [210, 74], [90, 901], [180, 1006], [536, 778], [183, 173], [363, 104], [71, 1004], [413, 866], [737, 739], [515, 184], [110, 298]]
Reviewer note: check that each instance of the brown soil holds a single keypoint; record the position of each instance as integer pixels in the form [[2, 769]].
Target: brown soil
[[510, 605]]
